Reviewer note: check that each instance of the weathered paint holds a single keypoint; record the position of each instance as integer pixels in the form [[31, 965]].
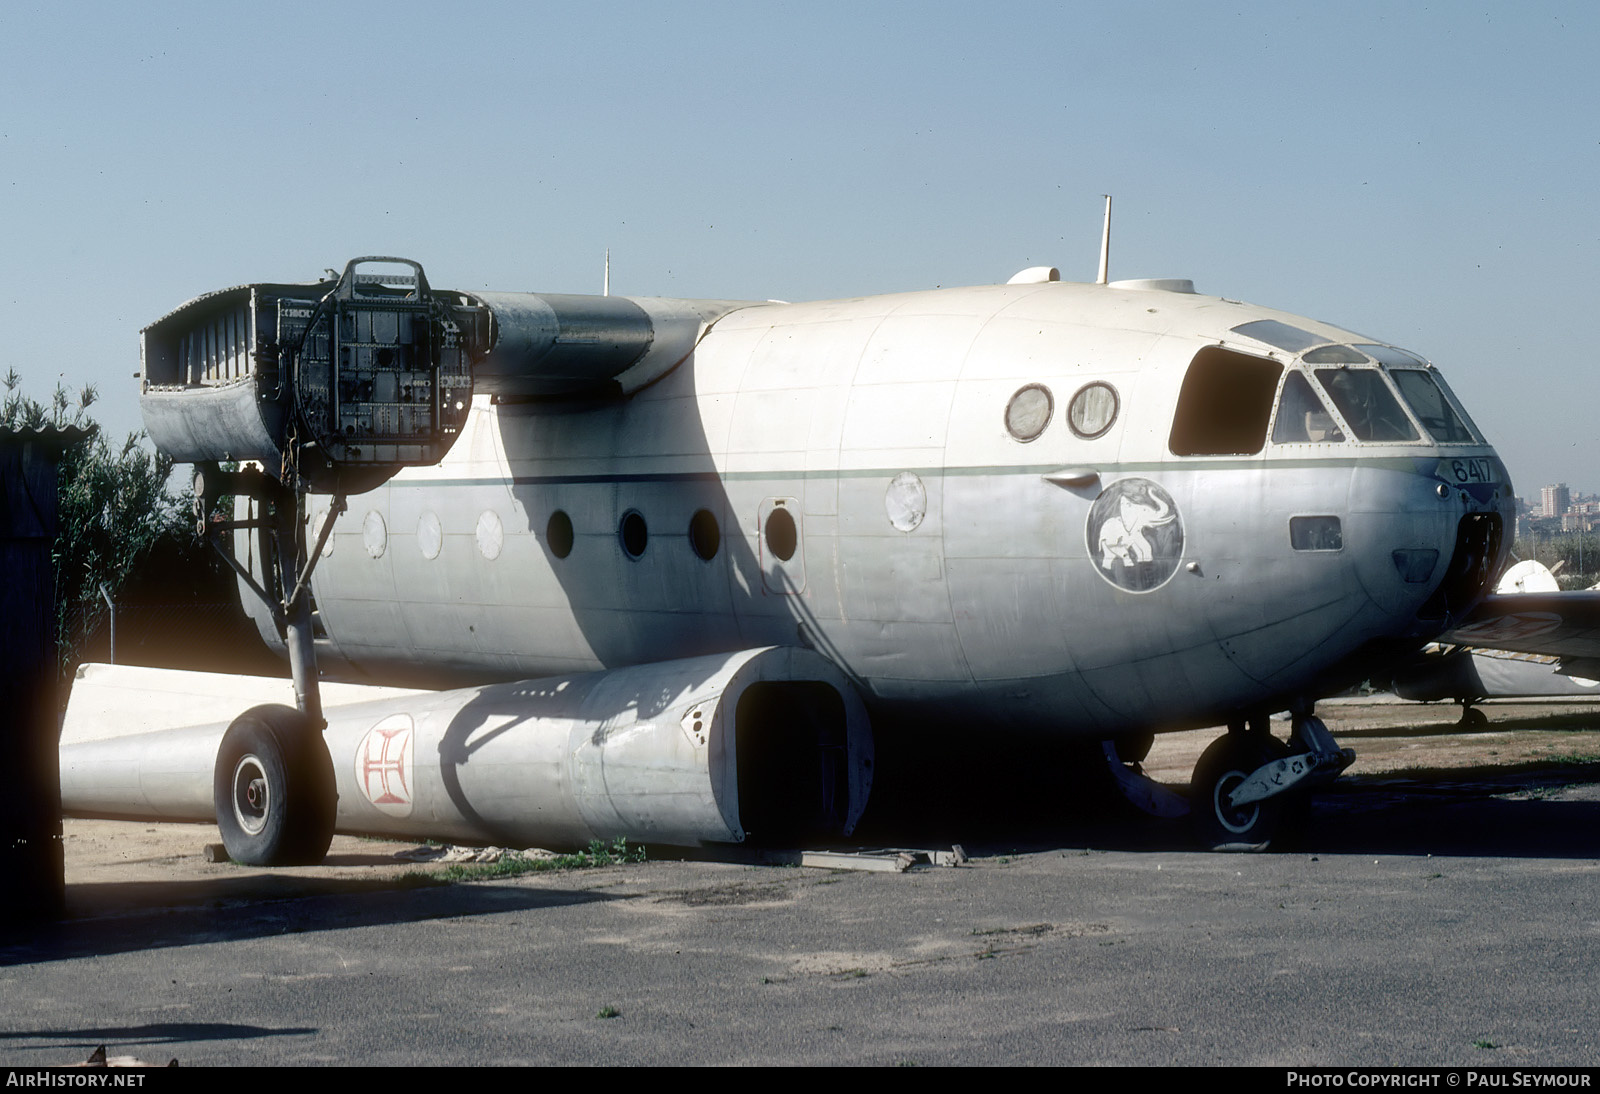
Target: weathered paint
[[650, 753], [993, 608]]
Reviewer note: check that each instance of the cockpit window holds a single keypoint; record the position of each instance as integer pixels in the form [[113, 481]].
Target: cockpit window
[[1225, 404], [1455, 402], [1391, 355], [1334, 355], [1368, 407], [1428, 402], [1281, 335], [1302, 417]]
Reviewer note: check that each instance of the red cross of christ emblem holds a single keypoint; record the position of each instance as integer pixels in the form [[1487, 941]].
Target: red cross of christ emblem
[[383, 763]]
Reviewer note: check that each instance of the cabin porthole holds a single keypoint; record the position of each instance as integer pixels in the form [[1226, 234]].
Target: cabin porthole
[[374, 533], [1029, 412], [314, 525], [430, 536], [1093, 410], [558, 534], [783, 536], [704, 535], [633, 533]]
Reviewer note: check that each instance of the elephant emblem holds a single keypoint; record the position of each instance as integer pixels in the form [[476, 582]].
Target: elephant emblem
[[1135, 536], [1123, 538]]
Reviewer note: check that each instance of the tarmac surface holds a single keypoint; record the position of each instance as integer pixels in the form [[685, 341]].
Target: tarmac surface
[[1442, 910]]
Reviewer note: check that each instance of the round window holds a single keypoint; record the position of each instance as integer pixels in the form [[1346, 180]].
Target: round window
[[430, 535], [558, 534], [633, 533], [782, 534], [374, 533], [1092, 410], [1029, 412], [704, 535]]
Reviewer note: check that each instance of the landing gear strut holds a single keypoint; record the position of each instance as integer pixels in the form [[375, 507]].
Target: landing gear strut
[[1248, 785], [273, 786], [335, 388]]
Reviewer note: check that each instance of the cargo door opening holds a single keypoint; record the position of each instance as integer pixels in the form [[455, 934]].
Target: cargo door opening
[[793, 764]]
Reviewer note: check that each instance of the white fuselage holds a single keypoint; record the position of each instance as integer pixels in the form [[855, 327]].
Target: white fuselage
[[954, 571]]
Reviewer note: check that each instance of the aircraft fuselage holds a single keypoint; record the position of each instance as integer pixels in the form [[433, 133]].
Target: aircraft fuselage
[[1042, 505]]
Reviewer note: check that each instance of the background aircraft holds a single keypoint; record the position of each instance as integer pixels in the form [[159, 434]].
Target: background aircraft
[[1468, 675]]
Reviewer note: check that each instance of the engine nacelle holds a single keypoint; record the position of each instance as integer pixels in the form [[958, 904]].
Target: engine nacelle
[[339, 384], [769, 744]]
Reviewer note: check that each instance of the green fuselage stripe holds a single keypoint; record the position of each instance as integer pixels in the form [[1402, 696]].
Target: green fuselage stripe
[[1387, 463]]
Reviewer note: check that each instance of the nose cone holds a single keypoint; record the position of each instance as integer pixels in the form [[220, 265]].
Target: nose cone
[[1434, 545]]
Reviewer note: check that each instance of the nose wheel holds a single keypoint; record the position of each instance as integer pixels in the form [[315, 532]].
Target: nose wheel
[[1223, 768], [1249, 787]]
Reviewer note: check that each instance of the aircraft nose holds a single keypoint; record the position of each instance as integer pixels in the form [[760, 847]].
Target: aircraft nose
[[1475, 558], [1427, 547]]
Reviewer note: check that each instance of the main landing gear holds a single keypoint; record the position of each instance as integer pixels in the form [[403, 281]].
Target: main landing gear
[[1248, 786], [273, 786]]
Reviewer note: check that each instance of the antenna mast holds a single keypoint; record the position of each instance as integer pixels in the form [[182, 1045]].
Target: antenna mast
[[607, 286], [1105, 244]]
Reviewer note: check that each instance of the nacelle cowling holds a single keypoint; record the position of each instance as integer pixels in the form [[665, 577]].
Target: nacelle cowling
[[338, 384], [772, 743]]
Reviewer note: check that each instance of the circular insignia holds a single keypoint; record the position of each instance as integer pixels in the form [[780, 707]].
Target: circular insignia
[[491, 534], [384, 765], [906, 501], [1135, 536]]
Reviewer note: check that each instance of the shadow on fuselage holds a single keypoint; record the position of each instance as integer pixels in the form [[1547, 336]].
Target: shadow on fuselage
[[630, 475], [656, 561]]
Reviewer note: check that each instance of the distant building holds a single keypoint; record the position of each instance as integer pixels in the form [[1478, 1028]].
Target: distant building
[[1556, 499]]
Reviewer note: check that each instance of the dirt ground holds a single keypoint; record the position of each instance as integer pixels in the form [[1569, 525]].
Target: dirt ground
[[1390, 735], [1439, 910], [113, 865]]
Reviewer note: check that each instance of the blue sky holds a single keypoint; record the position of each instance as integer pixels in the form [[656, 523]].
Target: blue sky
[[1423, 174]]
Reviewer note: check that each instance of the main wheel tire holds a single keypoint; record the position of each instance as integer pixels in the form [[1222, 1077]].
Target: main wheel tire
[[273, 789], [1223, 766]]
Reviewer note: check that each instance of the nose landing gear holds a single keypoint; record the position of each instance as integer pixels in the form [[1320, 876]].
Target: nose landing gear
[[1249, 785]]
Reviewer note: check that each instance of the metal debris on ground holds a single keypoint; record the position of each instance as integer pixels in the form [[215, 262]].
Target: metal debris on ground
[[469, 854], [886, 860]]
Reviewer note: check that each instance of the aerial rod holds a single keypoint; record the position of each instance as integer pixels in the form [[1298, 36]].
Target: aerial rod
[[1105, 244]]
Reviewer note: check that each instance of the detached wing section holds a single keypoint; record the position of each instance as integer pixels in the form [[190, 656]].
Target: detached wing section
[[1564, 625]]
